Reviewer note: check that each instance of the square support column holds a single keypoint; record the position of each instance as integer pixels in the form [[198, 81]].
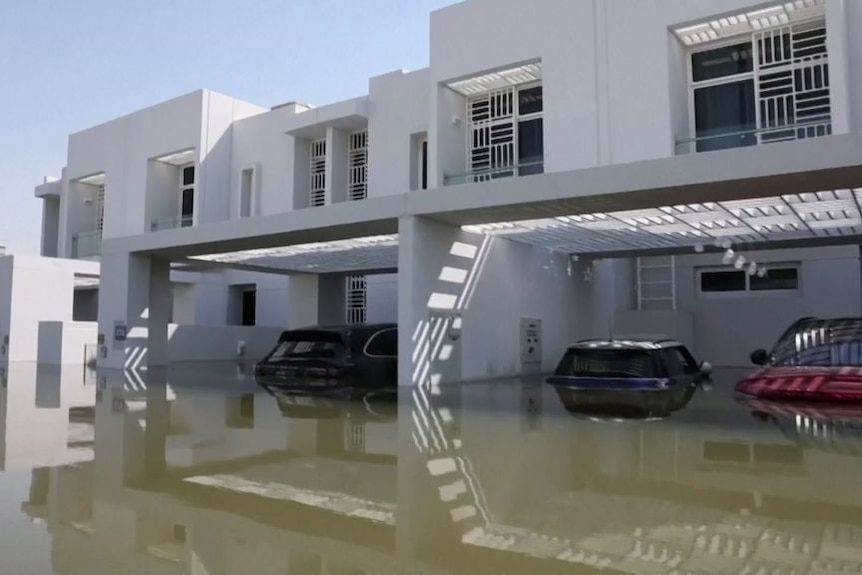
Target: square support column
[[436, 263], [134, 308]]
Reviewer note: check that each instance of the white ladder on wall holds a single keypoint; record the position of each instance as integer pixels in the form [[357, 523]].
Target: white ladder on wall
[[656, 282]]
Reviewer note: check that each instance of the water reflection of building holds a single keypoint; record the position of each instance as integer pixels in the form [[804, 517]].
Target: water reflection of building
[[205, 479], [46, 415]]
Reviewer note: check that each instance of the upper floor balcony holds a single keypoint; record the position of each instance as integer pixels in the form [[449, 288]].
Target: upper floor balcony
[[756, 77], [504, 129]]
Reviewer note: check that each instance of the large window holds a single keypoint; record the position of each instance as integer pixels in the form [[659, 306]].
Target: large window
[[187, 195], [765, 87], [779, 278], [506, 133]]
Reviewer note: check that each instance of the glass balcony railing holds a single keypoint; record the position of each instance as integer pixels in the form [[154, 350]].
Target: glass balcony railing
[[171, 223], [486, 175], [87, 244], [754, 137]]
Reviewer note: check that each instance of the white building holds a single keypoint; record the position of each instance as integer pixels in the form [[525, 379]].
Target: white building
[[525, 190]]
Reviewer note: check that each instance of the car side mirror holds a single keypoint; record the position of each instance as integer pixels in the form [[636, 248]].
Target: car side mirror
[[760, 357], [705, 368]]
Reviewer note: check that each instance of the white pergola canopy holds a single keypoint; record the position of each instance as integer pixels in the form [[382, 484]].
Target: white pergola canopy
[[822, 214], [763, 18]]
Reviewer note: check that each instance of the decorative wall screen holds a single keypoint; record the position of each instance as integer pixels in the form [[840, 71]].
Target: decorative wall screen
[[357, 290], [358, 166], [317, 178], [492, 135], [100, 208], [792, 81]]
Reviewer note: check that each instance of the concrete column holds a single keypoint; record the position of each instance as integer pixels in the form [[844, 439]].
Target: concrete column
[[839, 73], [134, 297], [302, 304], [436, 263], [331, 299], [336, 166], [160, 304]]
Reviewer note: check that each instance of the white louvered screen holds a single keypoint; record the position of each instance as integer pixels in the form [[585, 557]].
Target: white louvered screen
[[792, 81], [100, 208], [358, 166], [317, 195], [356, 299], [492, 134]]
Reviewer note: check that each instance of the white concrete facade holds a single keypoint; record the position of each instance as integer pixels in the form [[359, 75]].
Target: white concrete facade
[[613, 127]]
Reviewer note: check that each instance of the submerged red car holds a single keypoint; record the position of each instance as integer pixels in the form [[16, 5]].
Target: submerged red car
[[814, 360]]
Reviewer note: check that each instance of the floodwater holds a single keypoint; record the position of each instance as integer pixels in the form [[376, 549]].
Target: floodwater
[[199, 471]]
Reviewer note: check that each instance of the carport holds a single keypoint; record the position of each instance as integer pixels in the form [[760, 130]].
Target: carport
[[477, 263]]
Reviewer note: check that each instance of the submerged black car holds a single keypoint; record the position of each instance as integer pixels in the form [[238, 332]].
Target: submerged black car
[[643, 378], [322, 360]]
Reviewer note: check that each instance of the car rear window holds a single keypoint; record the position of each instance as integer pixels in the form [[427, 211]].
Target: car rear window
[[308, 345], [608, 363], [831, 343]]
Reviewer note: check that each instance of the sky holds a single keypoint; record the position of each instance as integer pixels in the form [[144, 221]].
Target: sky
[[68, 65]]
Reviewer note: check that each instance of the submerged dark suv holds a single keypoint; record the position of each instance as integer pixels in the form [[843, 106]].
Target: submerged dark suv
[[333, 359], [647, 378]]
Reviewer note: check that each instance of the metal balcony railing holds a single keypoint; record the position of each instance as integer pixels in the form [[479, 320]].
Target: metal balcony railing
[[171, 223], [743, 138], [525, 169], [87, 244]]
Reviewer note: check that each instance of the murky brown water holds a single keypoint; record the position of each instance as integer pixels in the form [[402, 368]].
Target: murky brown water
[[201, 472]]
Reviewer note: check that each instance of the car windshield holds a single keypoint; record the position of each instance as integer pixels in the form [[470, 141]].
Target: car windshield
[[835, 343], [608, 363], [308, 345]]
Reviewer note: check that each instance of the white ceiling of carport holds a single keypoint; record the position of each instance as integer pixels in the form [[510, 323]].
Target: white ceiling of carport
[[800, 217], [344, 256]]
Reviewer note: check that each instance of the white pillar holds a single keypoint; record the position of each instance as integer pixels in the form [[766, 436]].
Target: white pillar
[[331, 299], [336, 166], [160, 304], [839, 72], [436, 263], [134, 296]]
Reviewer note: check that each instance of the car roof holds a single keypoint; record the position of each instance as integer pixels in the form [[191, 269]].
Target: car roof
[[343, 329], [642, 344]]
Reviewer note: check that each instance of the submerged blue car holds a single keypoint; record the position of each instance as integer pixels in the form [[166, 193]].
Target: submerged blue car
[[649, 377]]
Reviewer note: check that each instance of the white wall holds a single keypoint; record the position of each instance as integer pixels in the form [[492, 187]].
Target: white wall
[[208, 343], [398, 107], [728, 327], [42, 290], [163, 191], [261, 141], [518, 281], [121, 148], [65, 343]]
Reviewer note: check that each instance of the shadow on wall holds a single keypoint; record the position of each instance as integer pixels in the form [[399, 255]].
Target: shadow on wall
[[436, 341]]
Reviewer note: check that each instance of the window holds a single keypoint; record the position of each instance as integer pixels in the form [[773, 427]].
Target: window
[[246, 193], [249, 307], [100, 208], [608, 363], [769, 86], [383, 344], [678, 361], [505, 133], [776, 279], [357, 157], [784, 278], [356, 294], [317, 195], [187, 195]]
